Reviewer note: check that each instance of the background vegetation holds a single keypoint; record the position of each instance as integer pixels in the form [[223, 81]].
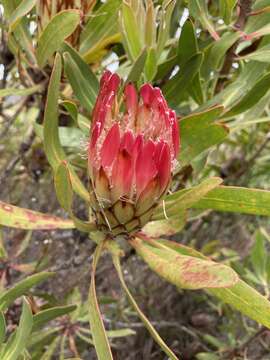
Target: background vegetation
[[211, 60]]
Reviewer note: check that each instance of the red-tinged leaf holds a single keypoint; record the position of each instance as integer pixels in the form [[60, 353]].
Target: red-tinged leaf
[[184, 271], [241, 296], [21, 218], [166, 227]]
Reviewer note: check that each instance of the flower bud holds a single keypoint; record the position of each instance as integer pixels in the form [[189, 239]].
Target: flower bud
[[132, 152]]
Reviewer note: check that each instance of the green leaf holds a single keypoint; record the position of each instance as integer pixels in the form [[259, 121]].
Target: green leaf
[[187, 44], [262, 54], [164, 26], [236, 199], [176, 86], [100, 31], [20, 40], [198, 9], [181, 270], [24, 7], [16, 217], [63, 187], [113, 334], [218, 50], [247, 300], [240, 296], [166, 227], [57, 30], [82, 80], [68, 136], [144, 319], [52, 147], [97, 327], [2, 328], [8, 297], [20, 92], [72, 109], [200, 131], [137, 68], [44, 316], [151, 64], [252, 97], [130, 31], [206, 356], [265, 30], [187, 47], [51, 349], [186, 198], [226, 9], [150, 25], [258, 254], [17, 343]]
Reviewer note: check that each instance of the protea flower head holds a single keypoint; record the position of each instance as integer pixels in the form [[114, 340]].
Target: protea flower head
[[132, 151]]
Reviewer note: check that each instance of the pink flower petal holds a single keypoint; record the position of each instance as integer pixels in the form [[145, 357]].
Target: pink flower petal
[[122, 175], [145, 166], [113, 83], [175, 133], [131, 99], [105, 77], [146, 92], [110, 146], [127, 142], [158, 150], [164, 167]]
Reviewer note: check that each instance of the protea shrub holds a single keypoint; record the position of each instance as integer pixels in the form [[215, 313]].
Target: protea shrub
[[133, 147]]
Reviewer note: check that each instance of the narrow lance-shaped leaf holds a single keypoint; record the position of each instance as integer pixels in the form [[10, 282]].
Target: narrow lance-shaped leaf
[[199, 132], [226, 8], [2, 328], [97, 327], [57, 30], [83, 81], [17, 343], [240, 296], [184, 271], [198, 9], [24, 7], [16, 217], [187, 47], [180, 82], [236, 199], [20, 92], [130, 31], [164, 28], [20, 39], [137, 68], [184, 199], [64, 192], [7, 298], [44, 316], [100, 31], [166, 227], [252, 97], [148, 325], [52, 145]]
